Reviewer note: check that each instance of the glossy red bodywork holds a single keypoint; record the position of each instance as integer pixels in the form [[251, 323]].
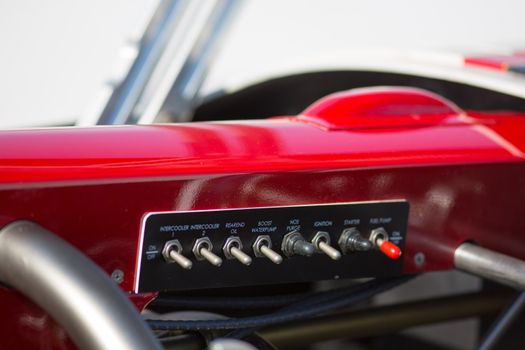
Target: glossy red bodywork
[[382, 107], [462, 173]]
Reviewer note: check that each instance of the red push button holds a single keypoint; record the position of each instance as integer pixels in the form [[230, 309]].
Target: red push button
[[389, 249]]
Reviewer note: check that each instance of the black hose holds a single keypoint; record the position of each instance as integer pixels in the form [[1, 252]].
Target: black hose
[[304, 309], [227, 303], [308, 302], [325, 297], [243, 303]]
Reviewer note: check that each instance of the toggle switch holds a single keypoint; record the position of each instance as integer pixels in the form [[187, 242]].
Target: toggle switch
[[351, 240], [295, 244], [389, 249], [262, 247], [321, 241], [379, 237], [172, 252], [233, 250], [202, 249]]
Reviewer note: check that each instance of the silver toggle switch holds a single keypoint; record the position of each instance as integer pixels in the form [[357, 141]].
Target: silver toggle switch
[[321, 241], [262, 247], [172, 252], [295, 244], [202, 249], [233, 250]]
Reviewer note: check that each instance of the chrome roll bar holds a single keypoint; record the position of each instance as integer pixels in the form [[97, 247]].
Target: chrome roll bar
[[79, 296]]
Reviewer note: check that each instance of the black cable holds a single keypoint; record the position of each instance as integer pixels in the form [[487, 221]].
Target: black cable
[[314, 307], [325, 297], [227, 302], [243, 303], [317, 299]]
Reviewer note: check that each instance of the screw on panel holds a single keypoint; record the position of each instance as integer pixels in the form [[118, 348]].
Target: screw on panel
[[117, 276], [419, 259]]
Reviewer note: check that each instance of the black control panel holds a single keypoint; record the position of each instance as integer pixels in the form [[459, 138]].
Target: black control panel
[[254, 246]]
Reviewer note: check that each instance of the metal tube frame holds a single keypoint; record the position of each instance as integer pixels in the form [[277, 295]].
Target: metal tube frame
[[491, 265], [92, 309], [374, 321]]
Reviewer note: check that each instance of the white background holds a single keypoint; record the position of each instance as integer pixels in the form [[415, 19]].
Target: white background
[[56, 55]]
